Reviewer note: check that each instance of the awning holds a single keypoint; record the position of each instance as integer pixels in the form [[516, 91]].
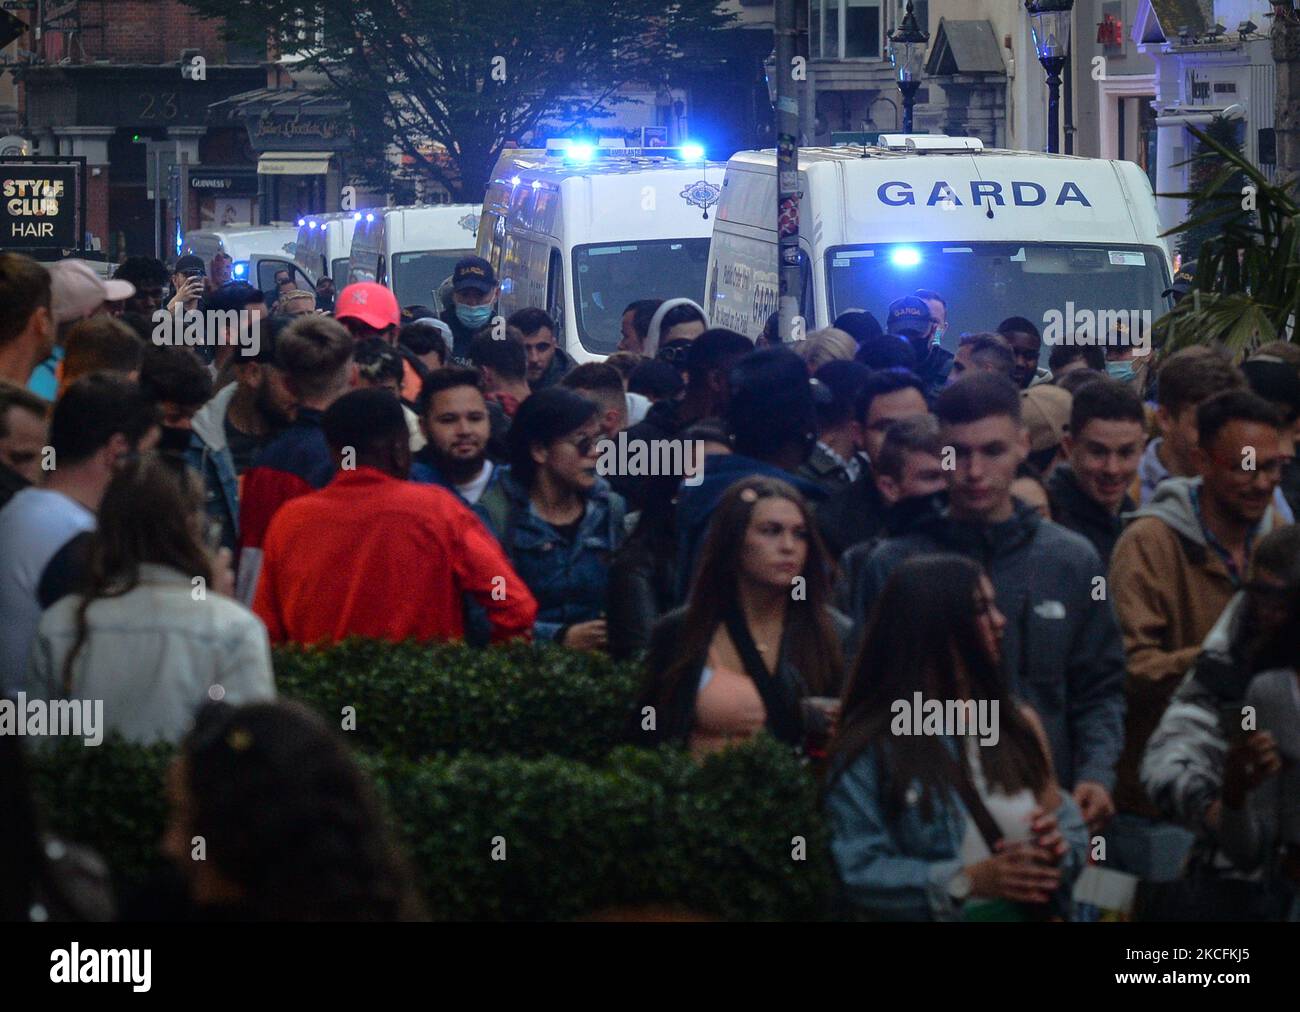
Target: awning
[[293, 163]]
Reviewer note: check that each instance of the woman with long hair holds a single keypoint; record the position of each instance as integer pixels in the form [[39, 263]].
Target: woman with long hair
[[757, 639], [290, 826], [153, 634], [941, 794]]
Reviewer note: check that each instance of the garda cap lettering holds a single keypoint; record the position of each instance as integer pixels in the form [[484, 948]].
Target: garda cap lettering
[[1020, 193]]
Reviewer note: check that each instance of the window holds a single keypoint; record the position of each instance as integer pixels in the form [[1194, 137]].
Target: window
[[989, 281], [417, 276], [861, 28], [555, 292], [849, 29], [608, 277]]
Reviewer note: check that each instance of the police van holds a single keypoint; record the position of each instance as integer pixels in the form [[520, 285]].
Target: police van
[[413, 249], [582, 230], [256, 252], [997, 233], [324, 244]]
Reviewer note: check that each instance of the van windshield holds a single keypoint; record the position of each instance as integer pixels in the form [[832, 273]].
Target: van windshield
[[416, 276], [985, 283], [608, 277]]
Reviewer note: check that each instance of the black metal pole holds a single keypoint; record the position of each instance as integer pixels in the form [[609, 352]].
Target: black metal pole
[[787, 169], [909, 89], [1053, 66]]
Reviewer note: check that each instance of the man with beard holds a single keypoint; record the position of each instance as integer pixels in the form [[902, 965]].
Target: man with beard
[[253, 409], [456, 421], [454, 418]]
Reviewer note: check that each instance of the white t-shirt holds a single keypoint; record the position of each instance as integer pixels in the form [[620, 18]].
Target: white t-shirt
[[473, 490], [35, 524]]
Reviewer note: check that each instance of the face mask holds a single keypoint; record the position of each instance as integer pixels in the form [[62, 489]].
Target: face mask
[[938, 334], [473, 317], [1122, 371]]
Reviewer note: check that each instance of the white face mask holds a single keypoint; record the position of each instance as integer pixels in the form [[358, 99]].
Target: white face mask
[[938, 333]]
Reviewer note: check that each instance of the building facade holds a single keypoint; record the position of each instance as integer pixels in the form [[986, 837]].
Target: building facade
[[126, 84]]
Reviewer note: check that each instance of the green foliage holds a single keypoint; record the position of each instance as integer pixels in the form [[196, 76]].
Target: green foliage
[[643, 828], [1213, 204], [109, 798], [414, 700], [1248, 272]]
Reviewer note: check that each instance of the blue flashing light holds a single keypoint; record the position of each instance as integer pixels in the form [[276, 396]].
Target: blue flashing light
[[581, 152], [514, 180], [302, 222], [311, 224], [356, 215], [370, 216], [537, 184], [905, 256], [693, 152], [240, 269]]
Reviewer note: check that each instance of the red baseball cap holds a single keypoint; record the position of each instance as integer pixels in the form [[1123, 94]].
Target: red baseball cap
[[371, 303]]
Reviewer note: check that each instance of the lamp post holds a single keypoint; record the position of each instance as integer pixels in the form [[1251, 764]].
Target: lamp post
[[1050, 20], [907, 54]]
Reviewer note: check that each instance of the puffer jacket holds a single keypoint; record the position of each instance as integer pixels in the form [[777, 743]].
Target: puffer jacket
[[1182, 766]]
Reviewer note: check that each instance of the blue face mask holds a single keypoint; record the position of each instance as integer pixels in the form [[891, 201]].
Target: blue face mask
[[1122, 370], [473, 316]]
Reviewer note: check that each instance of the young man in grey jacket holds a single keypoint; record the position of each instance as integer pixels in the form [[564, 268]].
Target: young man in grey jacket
[[1062, 647]]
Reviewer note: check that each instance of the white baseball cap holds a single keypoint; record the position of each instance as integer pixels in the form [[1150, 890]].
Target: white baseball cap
[[77, 291]]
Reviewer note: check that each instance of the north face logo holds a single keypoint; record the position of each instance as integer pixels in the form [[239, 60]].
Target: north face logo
[[1050, 609]]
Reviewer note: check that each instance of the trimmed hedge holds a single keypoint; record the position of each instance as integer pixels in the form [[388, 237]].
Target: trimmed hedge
[[645, 827], [414, 700]]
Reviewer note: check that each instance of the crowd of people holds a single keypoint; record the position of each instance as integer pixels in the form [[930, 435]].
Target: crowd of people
[[1093, 552]]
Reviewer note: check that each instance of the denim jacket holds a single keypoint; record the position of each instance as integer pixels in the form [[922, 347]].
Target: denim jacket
[[898, 868], [570, 581], [209, 455]]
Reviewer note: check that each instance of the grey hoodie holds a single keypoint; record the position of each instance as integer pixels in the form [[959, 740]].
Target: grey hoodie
[[1151, 472], [1172, 503]]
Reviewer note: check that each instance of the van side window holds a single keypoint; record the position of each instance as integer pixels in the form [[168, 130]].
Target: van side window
[[806, 308], [555, 293]]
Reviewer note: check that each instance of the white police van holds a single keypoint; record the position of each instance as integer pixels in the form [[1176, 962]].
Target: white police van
[[412, 250], [324, 244], [256, 252], [582, 230], [996, 233]]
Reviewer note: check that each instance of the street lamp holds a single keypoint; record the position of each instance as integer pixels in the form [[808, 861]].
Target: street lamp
[[907, 54], [1049, 20]]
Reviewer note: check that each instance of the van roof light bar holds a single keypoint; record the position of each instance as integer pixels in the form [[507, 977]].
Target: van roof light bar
[[929, 143]]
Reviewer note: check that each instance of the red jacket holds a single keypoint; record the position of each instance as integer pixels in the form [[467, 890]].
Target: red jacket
[[372, 555]]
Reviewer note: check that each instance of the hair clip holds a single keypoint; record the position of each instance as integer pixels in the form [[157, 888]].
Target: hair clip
[[240, 739], [748, 495]]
